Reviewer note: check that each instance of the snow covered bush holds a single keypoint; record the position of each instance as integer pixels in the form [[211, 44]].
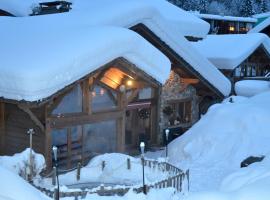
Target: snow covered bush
[[19, 163]]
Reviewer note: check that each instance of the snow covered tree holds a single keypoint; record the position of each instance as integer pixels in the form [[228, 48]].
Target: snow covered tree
[[247, 8], [263, 6]]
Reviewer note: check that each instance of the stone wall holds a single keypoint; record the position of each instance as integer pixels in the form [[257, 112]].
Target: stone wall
[[177, 91]]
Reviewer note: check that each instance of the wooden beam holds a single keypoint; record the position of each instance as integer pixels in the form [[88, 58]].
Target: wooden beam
[[33, 117], [61, 122], [133, 95], [189, 80]]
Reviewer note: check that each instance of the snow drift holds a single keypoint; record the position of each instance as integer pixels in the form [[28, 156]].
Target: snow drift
[[228, 133]]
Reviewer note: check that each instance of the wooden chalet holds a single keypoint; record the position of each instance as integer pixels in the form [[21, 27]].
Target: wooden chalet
[[5, 13], [251, 59], [228, 24], [117, 104], [263, 27]]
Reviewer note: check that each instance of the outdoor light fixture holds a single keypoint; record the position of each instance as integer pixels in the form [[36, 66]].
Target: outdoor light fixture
[[54, 153], [129, 83], [167, 132], [57, 193], [142, 147]]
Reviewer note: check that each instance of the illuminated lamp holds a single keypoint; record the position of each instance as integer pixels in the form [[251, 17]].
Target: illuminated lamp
[[231, 28], [129, 83]]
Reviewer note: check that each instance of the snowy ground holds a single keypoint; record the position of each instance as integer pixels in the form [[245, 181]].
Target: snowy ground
[[212, 149]]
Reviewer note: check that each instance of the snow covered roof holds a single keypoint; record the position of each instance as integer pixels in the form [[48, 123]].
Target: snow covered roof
[[165, 20], [119, 9], [227, 18], [35, 65], [264, 24], [262, 15], [229, 51], [20, 8]]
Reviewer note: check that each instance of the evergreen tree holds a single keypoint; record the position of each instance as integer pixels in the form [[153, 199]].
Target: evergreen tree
[[263, 6], [247, 8]]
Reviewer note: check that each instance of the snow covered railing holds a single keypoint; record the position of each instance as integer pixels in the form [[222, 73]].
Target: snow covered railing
[[175, 178]]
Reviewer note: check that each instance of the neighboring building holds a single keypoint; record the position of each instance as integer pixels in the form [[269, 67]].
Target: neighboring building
[[228, 24], [238, 56], [261, 17], [22, 8], [263, 27], [5, 13], [107, 83]]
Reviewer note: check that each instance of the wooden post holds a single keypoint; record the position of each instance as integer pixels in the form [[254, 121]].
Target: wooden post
[[79, 171], [128, 164], [54, 176], [103, 165], [31, 132]]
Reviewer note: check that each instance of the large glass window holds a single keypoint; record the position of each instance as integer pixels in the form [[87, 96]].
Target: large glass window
[[102, 99], [178, 112], [71, 102], [99, 138]]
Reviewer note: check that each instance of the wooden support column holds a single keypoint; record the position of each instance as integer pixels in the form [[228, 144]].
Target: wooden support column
[[48, 142], [121, 123], [2, 128]]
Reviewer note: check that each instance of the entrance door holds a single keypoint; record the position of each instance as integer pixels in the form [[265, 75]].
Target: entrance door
[[138, 125]]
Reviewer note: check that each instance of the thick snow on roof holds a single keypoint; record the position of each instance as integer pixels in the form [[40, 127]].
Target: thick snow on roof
[[20, 8], [165, 20], [229, 51], [249, 88], [107, 11], [260, 26], [262, 15], [33, 67], [227, 18]]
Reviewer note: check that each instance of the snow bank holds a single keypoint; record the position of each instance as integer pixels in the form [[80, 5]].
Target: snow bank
[[250, 183], [153, 194], [13, 187], [250, 88], [18, 162], [226, 135], [46, 64], [115, 171], [215, 138], [224, 54]]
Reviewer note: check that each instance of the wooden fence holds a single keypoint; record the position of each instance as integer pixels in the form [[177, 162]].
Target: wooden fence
[[177, 179]]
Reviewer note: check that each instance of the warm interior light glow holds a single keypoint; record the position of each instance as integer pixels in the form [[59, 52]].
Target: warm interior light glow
[[231, 28], [129, 83]]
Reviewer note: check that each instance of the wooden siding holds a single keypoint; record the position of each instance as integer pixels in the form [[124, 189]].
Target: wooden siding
[[17, 123], [2, 128]]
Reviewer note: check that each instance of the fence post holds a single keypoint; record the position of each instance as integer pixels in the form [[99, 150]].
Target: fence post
[[54, 176], [55, 195], [128, 164], [188, 178], [79, 171], [103, 165]]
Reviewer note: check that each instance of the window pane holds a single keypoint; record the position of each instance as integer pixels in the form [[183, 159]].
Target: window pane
[[145, 93], [100, 138], [102, 99], [71, 103]]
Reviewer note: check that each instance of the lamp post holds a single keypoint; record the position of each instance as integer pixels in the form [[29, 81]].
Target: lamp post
[[167, 132], [31, 132], [56, 193], [142, 147]]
